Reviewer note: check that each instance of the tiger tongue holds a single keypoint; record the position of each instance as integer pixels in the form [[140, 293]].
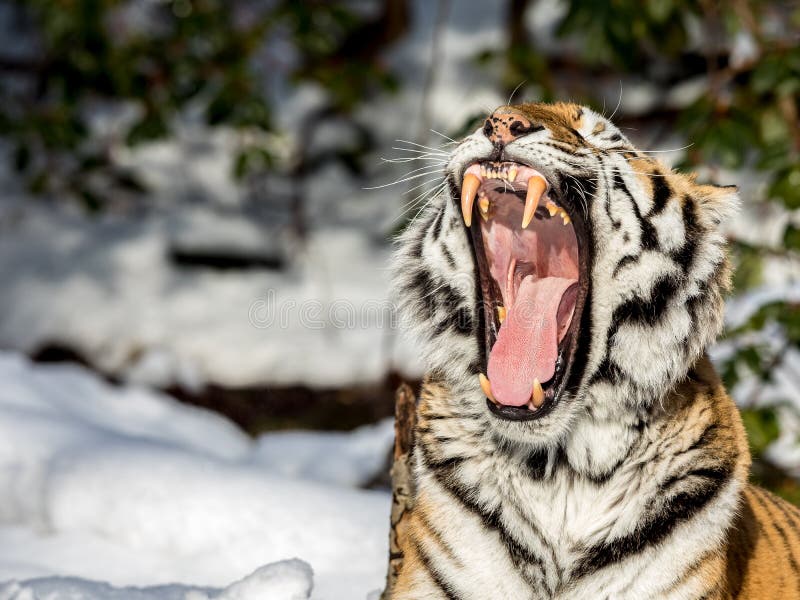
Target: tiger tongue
[[527, 343]]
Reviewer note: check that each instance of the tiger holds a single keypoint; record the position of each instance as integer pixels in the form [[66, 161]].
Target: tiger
[[573, 440]]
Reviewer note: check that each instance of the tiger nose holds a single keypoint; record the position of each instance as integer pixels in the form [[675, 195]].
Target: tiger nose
[[503, 126]]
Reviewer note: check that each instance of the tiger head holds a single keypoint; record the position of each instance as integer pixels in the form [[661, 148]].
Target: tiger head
[[564, 277]]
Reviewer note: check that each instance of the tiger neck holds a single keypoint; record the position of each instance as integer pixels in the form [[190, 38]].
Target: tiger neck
[[689, 455], [696, 417]]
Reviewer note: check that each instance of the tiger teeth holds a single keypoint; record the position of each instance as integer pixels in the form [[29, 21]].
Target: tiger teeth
[[565, 218], [503, 173], [486, 387], [469, 187], [537, 395], [483, 206], [536, 187], [501, 314]]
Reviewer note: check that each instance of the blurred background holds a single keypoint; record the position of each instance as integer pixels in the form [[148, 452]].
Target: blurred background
[[197, 209]]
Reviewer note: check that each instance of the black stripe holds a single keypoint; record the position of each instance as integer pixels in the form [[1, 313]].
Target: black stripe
[[624, 262], [430, 296], [684, 256], [614, 222], [762, 498], [704, 439], [715, 473], [459, 321], [421, 282], [448, 256], [604, 477], [416, 249], [577, 134], [654, 528], [647, 311], [792, 561], [437, 537], [635, 310], [436, 230], [447, 465], [662, 192], [444, 472], [437, 577], [537, 464], [649, 239]]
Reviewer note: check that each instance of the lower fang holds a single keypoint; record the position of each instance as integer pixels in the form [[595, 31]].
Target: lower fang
[[486, 387], [501, 314], [537, 394]]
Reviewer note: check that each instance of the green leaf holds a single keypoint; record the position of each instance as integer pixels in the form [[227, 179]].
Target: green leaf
[[762, 428]]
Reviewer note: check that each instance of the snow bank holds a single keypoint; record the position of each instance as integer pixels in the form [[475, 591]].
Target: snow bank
[[352, 458], [285, 580], [129, 487]]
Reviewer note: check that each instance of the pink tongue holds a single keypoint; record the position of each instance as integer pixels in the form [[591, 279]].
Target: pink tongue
[[527, 343]]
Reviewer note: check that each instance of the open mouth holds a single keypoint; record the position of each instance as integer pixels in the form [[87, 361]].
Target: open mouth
[[528, 243]]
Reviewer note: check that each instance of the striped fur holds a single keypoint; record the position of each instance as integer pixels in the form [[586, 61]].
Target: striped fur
[[635, 484]]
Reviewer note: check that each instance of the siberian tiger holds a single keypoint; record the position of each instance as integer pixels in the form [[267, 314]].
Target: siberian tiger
[[573, 439]]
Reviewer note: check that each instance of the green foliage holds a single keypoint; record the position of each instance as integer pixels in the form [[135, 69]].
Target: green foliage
[[166, 58], [762, 428], [628, 33]]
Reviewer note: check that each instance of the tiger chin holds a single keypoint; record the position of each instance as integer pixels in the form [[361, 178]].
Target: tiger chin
[[573, 440]]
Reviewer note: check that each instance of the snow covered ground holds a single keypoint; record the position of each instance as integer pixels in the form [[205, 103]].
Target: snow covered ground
[[126, 487]]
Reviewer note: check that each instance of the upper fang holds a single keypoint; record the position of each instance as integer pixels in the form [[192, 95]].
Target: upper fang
[[469, 188]]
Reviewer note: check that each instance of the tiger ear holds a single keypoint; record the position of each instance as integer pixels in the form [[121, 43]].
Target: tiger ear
[[719, 202]]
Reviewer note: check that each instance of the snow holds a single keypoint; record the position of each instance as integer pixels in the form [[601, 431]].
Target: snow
[[352, 458], [285, 580], [124, 486], [106, 288]]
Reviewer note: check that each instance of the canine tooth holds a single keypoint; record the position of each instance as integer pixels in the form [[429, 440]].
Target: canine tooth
[[565, 218], [486, 387], [512, 174], [552, 208], [537, 396], [501, 314], [531, 406], [469, 187], [536, 187]]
